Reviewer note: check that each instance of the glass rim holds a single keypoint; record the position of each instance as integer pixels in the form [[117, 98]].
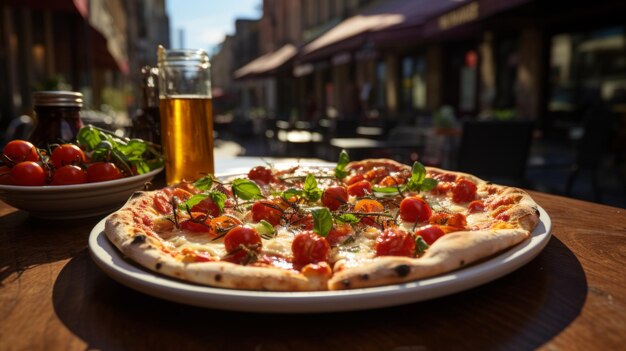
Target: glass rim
[[174, 55]]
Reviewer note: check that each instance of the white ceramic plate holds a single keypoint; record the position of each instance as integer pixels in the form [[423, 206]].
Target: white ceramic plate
[[74, 201], [111, 261]]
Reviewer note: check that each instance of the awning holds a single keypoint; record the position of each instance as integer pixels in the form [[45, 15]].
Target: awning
[[353, 32], [107, 26], [267, 64]]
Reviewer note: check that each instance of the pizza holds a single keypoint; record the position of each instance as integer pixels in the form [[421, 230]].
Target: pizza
[[308, 227]]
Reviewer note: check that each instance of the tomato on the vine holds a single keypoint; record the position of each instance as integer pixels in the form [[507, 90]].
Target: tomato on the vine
[[67, 154], [68, 175], [28, 173], [20, 150], [103, 171]]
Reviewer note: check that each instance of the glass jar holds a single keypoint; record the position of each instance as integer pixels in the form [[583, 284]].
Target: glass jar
[[58, 117], [186, 113]]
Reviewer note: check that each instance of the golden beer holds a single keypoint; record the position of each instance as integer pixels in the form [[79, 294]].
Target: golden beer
[[187, 137]]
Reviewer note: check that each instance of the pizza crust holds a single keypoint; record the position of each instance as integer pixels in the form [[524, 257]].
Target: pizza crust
[[450, 252], [143, 248]]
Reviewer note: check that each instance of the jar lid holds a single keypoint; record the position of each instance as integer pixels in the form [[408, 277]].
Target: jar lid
[[58, 98]]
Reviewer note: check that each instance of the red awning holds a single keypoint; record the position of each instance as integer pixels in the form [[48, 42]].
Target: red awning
[[390, 15], [267, 64]]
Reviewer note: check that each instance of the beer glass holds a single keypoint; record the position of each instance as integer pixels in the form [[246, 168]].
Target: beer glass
[[186, 113]]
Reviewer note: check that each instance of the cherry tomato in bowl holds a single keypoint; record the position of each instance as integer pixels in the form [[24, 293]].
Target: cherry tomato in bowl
[[103, 171], [68, 175], [19, 151], [67, 154], [28, 173]]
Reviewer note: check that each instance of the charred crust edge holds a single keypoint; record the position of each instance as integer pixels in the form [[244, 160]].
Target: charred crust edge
[[402, 270], [139, 239], [364, 276]]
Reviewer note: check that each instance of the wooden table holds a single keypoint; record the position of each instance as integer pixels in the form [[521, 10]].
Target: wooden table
[[572, 296]]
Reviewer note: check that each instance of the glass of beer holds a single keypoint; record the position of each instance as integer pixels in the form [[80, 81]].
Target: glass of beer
[[186, 114]]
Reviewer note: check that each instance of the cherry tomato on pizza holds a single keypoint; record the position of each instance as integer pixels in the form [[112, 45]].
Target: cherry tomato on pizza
[[260, 174], [430, 233], [360, 188], [334, 196], [266, 210], [414, 209], [369, 206], [207, 206], [395, 242], [196, 224], [463, 191], [28, 173], [67, 154], [338, 234], [18, 151], [242, 244], [68, 175], [308, 247]]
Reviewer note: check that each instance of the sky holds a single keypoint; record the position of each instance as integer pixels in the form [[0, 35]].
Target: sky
[[206, 22]]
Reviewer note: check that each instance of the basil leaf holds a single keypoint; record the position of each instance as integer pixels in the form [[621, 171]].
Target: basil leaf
[[387, 189], [89, 137], [420, 246], [310, 190], [344, 159], [322, 221], [204, 183], [418, 172], [347, 218], [218, 198], [192, 201], [289, 193], [428, 184], [265, 229], [246, 189]]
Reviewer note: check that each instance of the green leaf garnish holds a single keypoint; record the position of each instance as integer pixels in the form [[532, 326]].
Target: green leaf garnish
[[420, 246], [291, 192], [344, 159], [133, 156], [204, 183], [217, 197], [388, 189], [246, 189], [265, 229], [310, 191], [428, 184], [347, 218], [418, 180], [322, 221]]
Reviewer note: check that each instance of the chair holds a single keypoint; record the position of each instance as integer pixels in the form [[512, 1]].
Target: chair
[[495, 150]]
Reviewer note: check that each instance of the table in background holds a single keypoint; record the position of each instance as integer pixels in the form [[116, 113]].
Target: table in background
[[573, 295]]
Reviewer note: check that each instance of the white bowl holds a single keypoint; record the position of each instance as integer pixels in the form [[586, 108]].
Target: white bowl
[[74, 201]]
